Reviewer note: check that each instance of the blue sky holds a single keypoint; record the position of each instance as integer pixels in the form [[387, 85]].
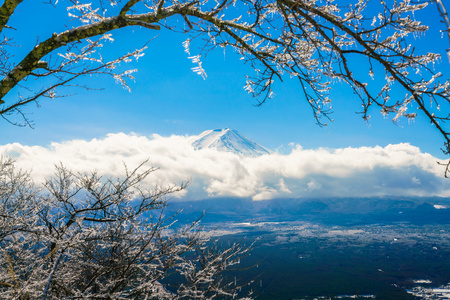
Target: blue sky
[[168, 98], [169, 104]]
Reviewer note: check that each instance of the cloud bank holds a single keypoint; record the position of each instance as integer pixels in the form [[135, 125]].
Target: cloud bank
[[394, 170]]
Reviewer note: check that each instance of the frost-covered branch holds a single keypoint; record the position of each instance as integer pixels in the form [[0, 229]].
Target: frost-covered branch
[[445, 19], [368, 45], [6, 10], [83, 236]]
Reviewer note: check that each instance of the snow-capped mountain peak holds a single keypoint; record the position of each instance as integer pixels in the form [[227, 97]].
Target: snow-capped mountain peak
[[228, 140]]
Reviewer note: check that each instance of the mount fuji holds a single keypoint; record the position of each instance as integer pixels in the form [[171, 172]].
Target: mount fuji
[[228, 140]]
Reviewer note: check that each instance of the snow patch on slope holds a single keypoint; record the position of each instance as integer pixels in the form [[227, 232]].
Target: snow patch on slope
[[228, 140]]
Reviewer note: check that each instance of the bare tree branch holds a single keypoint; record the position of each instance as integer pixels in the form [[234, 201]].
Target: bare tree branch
[[315, 42], [87, 237], [446, 20], [6, 11]]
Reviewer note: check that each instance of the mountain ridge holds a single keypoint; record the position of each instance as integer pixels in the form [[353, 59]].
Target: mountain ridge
[[229, 140]]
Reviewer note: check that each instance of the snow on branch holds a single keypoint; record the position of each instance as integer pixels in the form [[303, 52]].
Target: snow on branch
[[319, 43]]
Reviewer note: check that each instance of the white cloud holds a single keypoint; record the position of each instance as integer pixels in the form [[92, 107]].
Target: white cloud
[[400, 169], [313, 185], [437, 206]]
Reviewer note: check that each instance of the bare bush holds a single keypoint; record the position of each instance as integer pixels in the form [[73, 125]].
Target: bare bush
[[83, 236]]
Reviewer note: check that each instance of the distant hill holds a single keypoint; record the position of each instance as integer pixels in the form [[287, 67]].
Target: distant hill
[[333, 211]]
